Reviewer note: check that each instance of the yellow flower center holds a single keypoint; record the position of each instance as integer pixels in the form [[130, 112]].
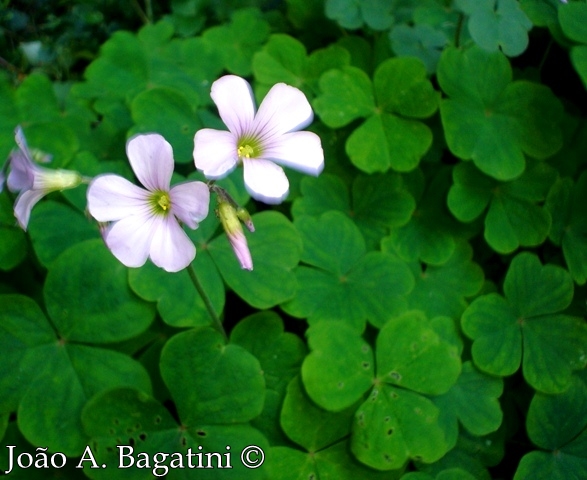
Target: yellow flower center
[[160, 202], [245, 151], [164, 201]]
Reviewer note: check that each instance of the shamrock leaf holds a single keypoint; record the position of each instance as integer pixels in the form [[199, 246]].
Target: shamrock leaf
[[12, 238], [420, 41], [569, 228], [334, 461], [238, 40], [352, 14], [391, 136], [280, 355], [513, 217], [54, 227], [38, 361], [573, 18], [441, 290], [388, 426], [272, 266], [497, 23], [345, 282], [96, 308], [473, 401], [378, 202], [490, 119], [526, 326], [557, 424], [430, 234], [285, 59]]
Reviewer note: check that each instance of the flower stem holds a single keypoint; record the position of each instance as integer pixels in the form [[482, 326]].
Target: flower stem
[[215, 318]]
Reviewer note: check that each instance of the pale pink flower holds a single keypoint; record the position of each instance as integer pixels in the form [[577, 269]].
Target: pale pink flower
[[146, 222], [32, 181], [259, 140]]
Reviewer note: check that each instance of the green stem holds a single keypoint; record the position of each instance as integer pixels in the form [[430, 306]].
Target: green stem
[[458, 30], [215, 318]]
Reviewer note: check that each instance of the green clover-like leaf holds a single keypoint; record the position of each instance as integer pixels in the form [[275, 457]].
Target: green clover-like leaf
[[557, 423], [490, 119], [569, 225], [346, 282], [378, 202], [392, 135], [37, 366], [573, 18], [526, 326], [497, 24], [514, 217]]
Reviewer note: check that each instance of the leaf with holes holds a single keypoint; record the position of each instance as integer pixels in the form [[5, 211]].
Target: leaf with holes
[[526, 326], [38, 363]]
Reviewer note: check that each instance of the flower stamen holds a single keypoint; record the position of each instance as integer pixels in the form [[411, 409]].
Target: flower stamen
[[245, 151], [164, 202]]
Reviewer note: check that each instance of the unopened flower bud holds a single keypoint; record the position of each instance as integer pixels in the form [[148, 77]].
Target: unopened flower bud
[[234, 231]]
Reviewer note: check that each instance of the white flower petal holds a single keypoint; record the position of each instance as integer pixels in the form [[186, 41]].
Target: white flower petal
[[235, 101], [25, 202], [265, 181], [298, 150], [111, 197], [190, 202], [130, 239], [215, 153], [151, 158], [284, 109], [22, 172], [171, 248]]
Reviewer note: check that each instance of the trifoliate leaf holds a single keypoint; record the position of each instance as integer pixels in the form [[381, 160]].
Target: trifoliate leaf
[[394, 425], [514, 217], [238, 40], [97, 308], [430, 234], [309, 425], [280, 355], [378, 202], [352, 14], [212, 383], [490, 119], [473, 401], [420, 41], [275, 248], [340, 367], [346, 282], [526, 327], [37, 363], [569, 226], [54, 227], [406, 346], [441, 290], [170, 113], [497, 24], [12, 238], [557, 423]]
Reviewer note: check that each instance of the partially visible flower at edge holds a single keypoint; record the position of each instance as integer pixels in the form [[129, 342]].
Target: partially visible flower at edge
[[146, 221], [259, 140], [33, 182]]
